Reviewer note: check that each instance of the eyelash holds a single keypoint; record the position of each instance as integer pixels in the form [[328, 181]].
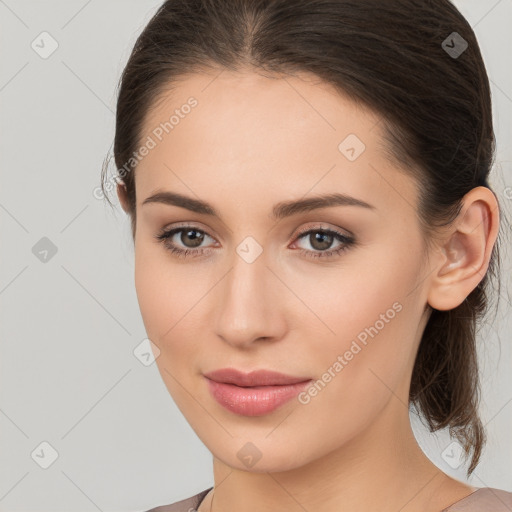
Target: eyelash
[[165, 235]]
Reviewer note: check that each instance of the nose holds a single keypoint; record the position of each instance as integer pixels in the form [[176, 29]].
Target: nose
[[249, 308]]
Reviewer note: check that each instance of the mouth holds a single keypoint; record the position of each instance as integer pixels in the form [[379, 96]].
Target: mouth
[[253, 394], [254, 378]]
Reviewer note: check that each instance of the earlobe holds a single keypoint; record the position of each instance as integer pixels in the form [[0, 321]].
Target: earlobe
[[466, 251]]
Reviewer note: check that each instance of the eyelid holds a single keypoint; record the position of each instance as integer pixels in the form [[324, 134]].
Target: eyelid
[[323, 227], [346, 241], [190, 224]]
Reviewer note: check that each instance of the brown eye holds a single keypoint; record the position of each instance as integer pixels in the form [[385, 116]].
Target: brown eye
[[187, 244], [191, 237], [321, 241]]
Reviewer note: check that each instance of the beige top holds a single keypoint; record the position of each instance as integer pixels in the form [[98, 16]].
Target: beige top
[[484, 499]]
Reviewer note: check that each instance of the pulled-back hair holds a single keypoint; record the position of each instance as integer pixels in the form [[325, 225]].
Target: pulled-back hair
[[394, 57]]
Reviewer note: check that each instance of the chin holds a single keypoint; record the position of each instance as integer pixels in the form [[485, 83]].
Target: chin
[[266, 458]]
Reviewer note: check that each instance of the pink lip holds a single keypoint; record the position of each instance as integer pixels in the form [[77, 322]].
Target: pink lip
[[253, 394]]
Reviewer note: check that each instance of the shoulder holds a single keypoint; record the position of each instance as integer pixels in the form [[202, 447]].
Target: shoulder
[[484, 499], [186, 505]]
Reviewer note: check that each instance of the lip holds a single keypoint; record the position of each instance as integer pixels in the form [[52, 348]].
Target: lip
[[254, 378], [253, 394]]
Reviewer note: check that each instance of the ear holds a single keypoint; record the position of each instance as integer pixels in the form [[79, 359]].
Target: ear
[[465, 252], [122, 194]]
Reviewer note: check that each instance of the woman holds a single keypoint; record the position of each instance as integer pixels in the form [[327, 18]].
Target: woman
[[314, 232]]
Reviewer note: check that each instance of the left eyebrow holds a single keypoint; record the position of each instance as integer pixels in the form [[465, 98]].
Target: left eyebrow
[[279, 211], [288, 208]]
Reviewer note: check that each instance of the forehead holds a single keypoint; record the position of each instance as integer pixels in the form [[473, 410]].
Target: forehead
[[266, 135]]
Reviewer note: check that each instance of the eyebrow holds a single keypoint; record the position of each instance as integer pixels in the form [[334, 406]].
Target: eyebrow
[[279, 211]]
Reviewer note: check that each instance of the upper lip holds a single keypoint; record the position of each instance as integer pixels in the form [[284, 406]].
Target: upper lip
[[254, 378]]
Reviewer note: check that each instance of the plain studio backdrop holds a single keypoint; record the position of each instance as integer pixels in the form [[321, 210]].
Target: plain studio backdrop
[[85, 424]]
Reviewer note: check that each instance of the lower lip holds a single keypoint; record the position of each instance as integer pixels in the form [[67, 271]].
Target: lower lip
[[253, 401]]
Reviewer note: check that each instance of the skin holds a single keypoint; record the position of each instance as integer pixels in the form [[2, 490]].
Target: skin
[[251, 142]]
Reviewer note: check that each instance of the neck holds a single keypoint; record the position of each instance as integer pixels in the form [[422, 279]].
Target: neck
[[381, 468]]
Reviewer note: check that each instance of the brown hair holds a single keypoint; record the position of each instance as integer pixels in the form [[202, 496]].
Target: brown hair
[[391, 57]]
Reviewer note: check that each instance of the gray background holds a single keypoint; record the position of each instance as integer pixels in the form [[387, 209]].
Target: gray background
[[70, 324]]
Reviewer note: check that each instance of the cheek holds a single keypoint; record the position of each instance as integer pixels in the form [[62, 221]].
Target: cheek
[[171, 297], [165, 290], [166, 296], [151, 293], [345, 301], [368, 317], [363, 366]]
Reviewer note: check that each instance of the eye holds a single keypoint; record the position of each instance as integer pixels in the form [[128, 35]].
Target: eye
[[320, 239], [190, 236]]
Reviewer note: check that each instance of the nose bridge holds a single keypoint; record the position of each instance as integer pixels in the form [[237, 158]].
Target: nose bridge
[[246, 311]]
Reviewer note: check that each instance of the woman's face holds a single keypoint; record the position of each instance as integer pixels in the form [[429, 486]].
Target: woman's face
[[345, 311]]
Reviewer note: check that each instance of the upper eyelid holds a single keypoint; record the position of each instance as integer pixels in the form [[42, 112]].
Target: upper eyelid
[[342, 231], [297, 234]]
